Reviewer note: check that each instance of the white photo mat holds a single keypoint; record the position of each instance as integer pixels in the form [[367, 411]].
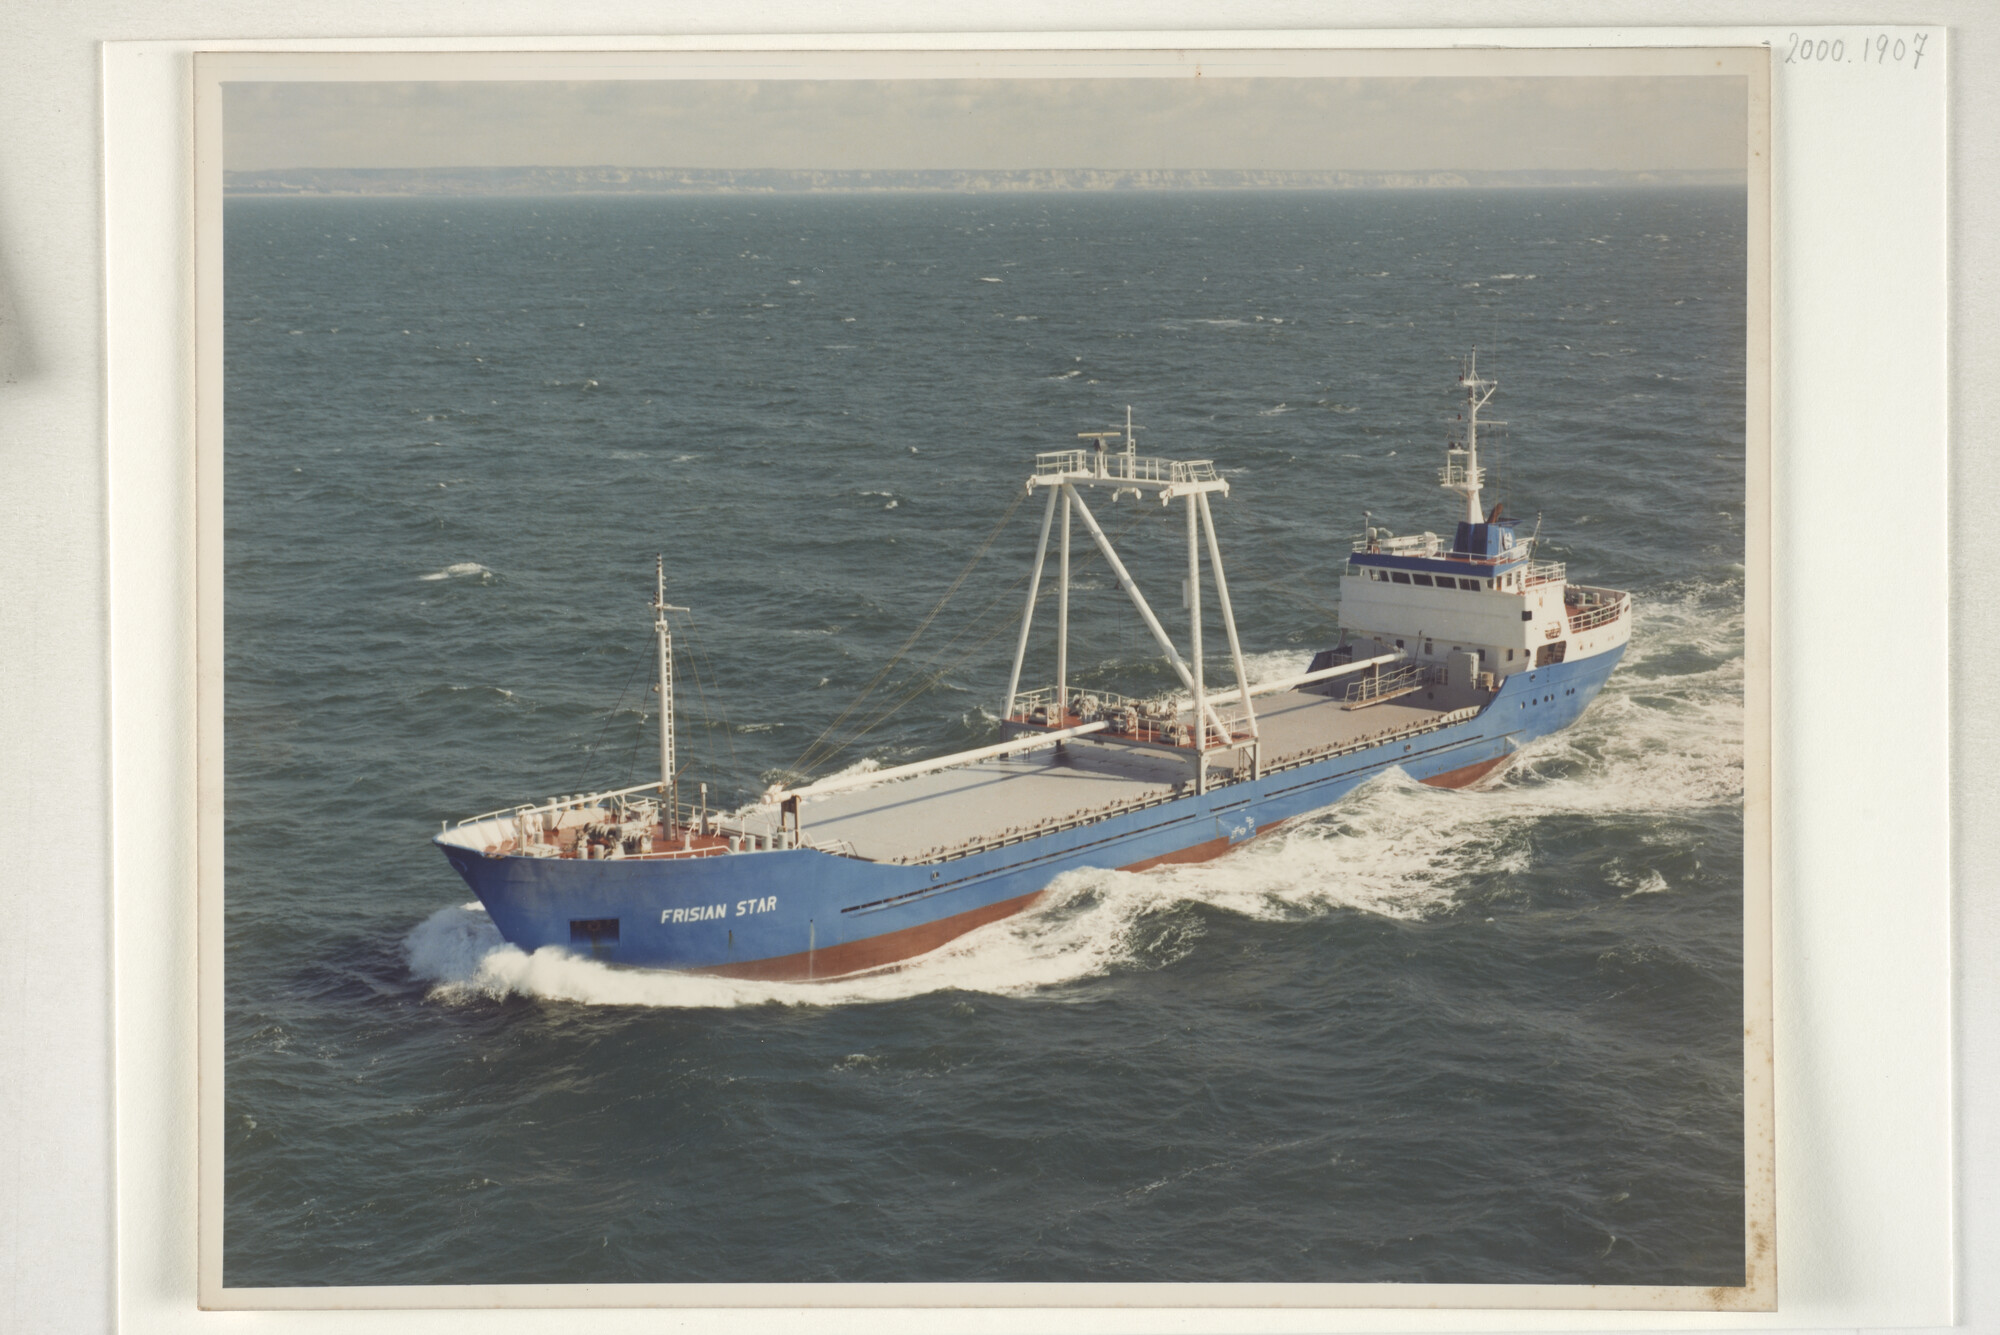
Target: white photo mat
[[1833, 1021]]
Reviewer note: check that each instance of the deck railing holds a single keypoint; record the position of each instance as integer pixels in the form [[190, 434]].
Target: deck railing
[[1432, 547], [1122, 467], [1410, 544], [1595, 610], [1396, 681], [1155, 720], [1543, 572]]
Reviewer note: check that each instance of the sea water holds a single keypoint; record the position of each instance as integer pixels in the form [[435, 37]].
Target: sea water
[[1448, 1036]]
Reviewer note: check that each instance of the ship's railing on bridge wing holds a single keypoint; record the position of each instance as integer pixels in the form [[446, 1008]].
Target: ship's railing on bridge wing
[[1410, 544], [1434, 547], [1543, 572]]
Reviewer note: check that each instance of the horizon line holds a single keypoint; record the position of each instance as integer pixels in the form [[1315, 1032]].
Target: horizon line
[[605, 179]]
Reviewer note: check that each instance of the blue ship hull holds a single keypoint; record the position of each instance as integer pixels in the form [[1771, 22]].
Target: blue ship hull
[[801, 913]]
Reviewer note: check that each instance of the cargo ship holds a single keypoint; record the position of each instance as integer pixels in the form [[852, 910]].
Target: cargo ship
[[1452, 654]]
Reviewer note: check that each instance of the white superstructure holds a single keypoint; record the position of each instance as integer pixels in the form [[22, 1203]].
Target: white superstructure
[[1480, 603]]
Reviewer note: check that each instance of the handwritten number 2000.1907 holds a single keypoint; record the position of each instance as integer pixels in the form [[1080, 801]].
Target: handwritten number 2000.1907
[[1881, 50]]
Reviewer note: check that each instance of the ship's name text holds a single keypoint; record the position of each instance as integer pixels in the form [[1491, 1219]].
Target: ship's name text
[[704, 912]]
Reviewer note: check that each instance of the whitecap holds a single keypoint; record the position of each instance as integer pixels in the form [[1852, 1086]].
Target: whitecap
[[462, 570]]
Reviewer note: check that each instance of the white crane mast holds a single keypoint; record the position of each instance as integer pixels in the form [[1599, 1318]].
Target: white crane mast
[[1063, 472]]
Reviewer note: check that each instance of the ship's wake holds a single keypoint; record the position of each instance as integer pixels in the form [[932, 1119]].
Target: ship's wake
[[1664, 740]]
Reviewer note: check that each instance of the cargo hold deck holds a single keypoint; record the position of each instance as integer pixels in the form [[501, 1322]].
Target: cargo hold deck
[[937, 814]]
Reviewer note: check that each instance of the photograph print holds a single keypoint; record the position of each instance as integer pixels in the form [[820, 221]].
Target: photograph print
[[1129, 669]]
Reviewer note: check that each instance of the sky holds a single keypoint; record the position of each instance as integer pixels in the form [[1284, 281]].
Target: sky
[[1623, 123]]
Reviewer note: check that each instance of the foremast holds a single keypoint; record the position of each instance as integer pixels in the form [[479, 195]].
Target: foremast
[[664, 634]]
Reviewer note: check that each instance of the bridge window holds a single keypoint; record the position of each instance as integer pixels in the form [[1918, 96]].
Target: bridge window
[[1399, 577], [1471, 584], [1424, 580]]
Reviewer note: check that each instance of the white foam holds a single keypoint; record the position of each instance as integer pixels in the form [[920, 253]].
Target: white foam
[[1075, 934], [463, 570], [1271, 665]]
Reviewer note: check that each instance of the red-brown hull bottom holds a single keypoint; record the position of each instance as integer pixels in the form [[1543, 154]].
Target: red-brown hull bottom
[[895, 947], [1471, 774], [873, 953], [1203, 852]]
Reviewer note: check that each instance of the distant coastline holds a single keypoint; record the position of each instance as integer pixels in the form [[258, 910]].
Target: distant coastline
[[535, 181]]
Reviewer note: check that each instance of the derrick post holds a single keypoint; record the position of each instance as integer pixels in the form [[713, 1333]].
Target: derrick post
[[1194, 644], [1062, 621], [1028, 614]]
